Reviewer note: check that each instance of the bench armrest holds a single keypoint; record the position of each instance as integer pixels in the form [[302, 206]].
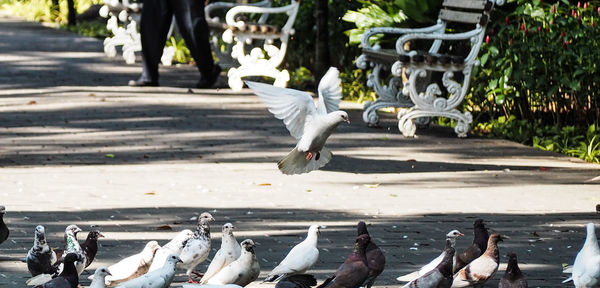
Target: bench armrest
[[291, 10], [474, 35], [215, 6], [398, 31]]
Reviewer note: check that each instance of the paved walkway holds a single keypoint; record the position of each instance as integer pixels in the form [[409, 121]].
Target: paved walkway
[[78, 146]]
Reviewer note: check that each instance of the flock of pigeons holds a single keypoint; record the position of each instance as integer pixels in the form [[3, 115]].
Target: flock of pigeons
[[235, 264]]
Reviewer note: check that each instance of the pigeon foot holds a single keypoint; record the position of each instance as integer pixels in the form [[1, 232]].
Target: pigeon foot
[[309, 155], [190, 280]]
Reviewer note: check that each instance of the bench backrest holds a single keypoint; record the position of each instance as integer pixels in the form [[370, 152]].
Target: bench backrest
[[466, 11]]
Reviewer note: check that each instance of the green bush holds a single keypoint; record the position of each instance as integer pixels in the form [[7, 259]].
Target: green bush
[[541, 62]]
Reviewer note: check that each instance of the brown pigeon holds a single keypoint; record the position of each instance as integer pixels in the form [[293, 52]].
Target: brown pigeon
[[354, 271], [90, 246], [440, 276], [480, 270], [375, 258], [480, 240], [513, 278]]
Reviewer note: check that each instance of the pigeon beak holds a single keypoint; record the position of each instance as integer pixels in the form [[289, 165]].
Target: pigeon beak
[[461, 234], [347, 120], [108, 273], [101, 235], [179, 260]]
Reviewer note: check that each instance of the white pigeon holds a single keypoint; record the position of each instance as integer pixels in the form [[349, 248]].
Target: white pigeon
[[99, 277], [132, 266], [173, 247], [451, 236], [242, 271], [229, 252], [197, 248], [586, 269], [482, 269], [160, 278], [301, 258], [309, 124]]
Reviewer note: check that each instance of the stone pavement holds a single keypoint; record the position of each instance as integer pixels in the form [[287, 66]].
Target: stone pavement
[[77, 146]]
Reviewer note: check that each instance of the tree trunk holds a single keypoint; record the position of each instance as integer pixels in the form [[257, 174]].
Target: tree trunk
[[322, 47]]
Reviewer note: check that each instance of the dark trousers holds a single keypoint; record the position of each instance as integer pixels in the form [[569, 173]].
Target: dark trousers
[[154, 27]]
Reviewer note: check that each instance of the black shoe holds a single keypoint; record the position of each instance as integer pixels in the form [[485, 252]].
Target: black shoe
[[208, 81], [142, 83]]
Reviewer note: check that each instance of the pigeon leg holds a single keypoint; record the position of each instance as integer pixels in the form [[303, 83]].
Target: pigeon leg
[[318, 156], [309, 155], [190, 280], [198, 274]]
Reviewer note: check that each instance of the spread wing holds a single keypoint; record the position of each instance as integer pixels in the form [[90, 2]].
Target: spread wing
[[330, 92], [291, 106]]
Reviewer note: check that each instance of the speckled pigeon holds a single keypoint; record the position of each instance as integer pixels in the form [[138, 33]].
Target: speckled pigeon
[[301, 258], [197, 248], [90, 246], [4, 232], [40, 258], [310, 125]]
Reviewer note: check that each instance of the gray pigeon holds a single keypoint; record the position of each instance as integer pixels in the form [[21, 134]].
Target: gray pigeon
[[440, 276], [513, 278], [354, 271], [375, 257], [242, 271], [482, 269], [160, 278], [100, 277], [586, 269], [450, 242], [301, 258], [229, 252], [4, 232], [40, 258], [68, 278], [197, 248], [309, 124]]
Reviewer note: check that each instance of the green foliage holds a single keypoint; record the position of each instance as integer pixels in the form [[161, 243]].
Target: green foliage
[[43, 10], [541, 62], [372, 15], [301, 79], [354, 87], [182, 53], [96, 28]]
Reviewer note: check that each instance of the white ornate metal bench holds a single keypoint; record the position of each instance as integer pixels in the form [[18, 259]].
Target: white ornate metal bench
[[419, 91], [247, 39]]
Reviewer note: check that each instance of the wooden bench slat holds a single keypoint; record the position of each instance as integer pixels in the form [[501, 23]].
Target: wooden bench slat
[[466, 4], [459, 16]]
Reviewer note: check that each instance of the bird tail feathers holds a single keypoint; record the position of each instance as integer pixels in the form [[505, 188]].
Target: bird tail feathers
[[567, 280], [38, 279], [328, 282], [297, 281], [295, 162], [408, 277], [273, 278]]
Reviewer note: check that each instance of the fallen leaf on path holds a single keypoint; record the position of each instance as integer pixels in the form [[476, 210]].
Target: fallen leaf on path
[[164, 227], [411, 160], [371, 185], [150, 193], [109, 155], [264, 184], [543, 169], [32, 102]]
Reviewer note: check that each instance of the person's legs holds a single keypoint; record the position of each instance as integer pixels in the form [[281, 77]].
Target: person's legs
[[154, 27], [189, 15]]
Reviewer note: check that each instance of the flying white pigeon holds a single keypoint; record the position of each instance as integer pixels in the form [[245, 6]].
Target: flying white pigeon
[[132, 266], [99, 277], [197, 248], [586, 269], [160, 278], [301, 258], [309, 124], [229, 252], [451, 240], [173, 247], [242, 271]]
